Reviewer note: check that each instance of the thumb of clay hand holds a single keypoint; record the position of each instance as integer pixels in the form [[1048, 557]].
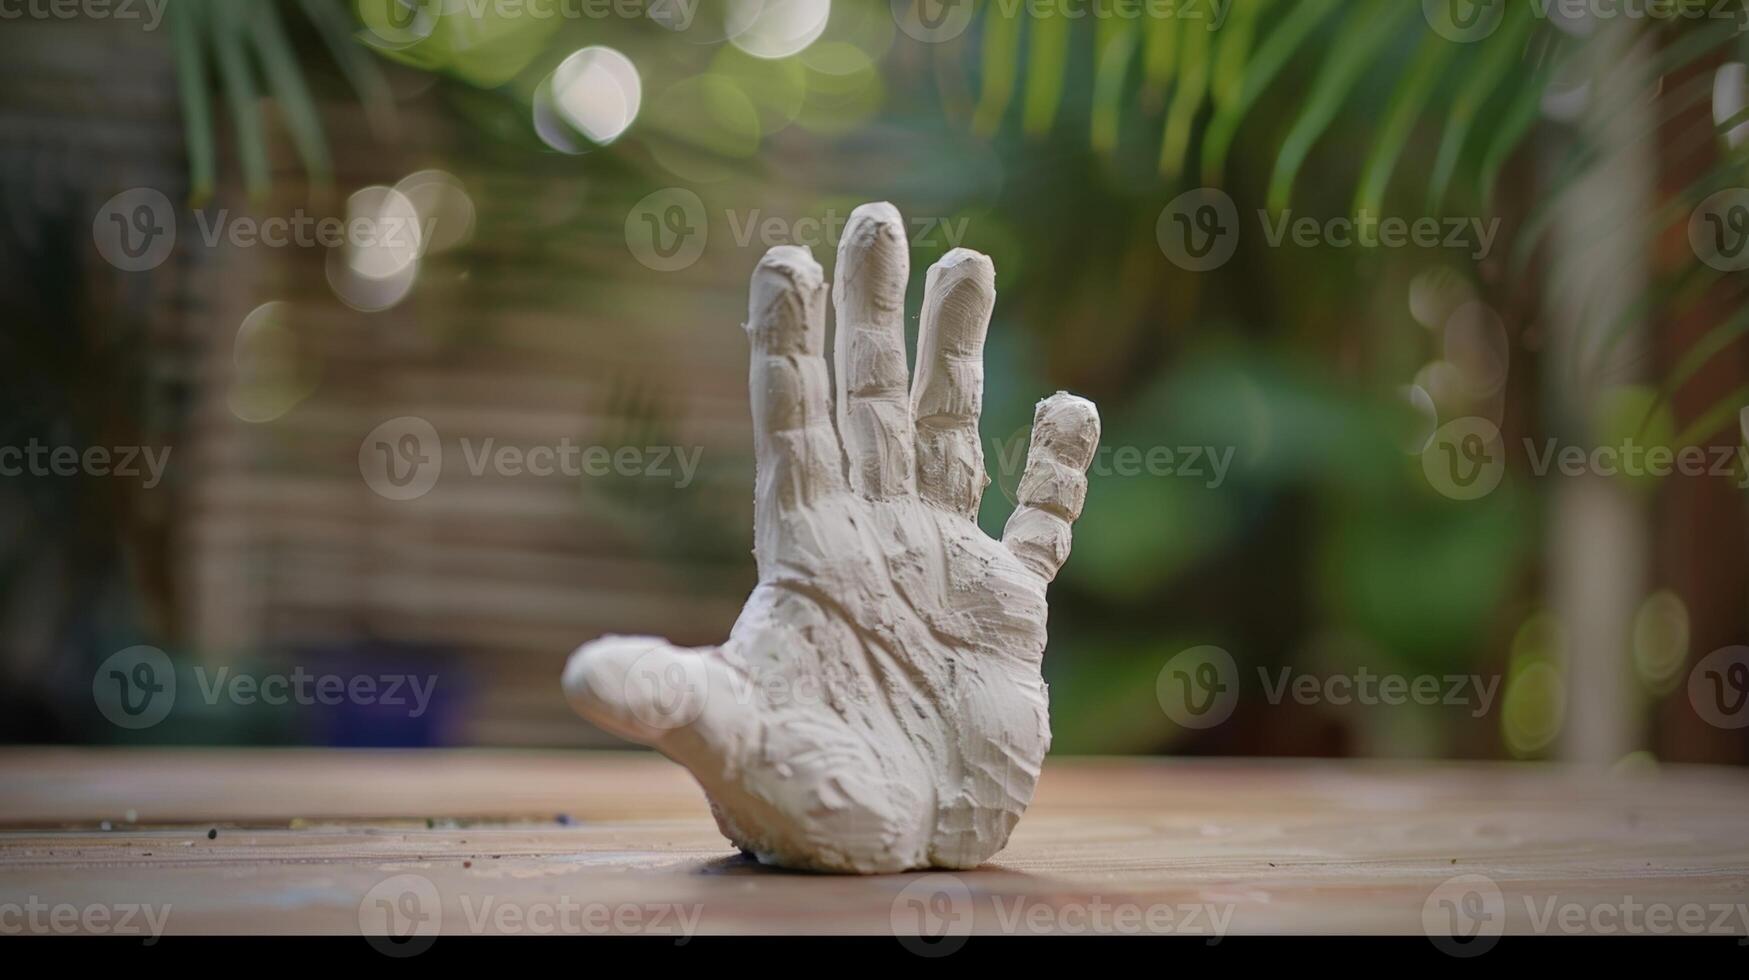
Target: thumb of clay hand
[[682, 702]]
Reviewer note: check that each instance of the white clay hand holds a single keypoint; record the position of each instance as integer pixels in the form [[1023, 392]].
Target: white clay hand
[[878, 705]]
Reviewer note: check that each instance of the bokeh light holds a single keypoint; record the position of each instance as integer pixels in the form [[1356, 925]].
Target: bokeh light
[[1533, 708], [1475, 343], [445, 210], [376, 266], [271, 377], [595, 92], [776, 28], [1424, 419], [1730, 99], [703, 126], [1661, 633]]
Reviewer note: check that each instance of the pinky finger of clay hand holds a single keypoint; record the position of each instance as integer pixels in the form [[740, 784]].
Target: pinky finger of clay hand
[[878, 706]]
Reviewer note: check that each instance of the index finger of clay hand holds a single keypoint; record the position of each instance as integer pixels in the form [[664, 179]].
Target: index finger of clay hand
[[794, 440], [1065, 435]]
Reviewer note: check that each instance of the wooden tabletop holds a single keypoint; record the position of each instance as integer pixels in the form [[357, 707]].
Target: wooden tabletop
[[324, 841]]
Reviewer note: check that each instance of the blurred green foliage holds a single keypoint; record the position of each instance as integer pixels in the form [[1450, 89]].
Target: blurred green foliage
[[1054, 142]]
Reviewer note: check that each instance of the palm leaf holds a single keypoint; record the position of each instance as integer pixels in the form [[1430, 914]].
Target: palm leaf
[[1187, 99], [1272, 56], [1368, 28], [1116, 52], [231, 45], [1001, 63], [187, 26], [1501, 53], [1047, 58], [1406, 107], [286, 82]]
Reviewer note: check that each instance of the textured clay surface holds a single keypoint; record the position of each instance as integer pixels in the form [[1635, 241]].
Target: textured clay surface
[[878, 706]]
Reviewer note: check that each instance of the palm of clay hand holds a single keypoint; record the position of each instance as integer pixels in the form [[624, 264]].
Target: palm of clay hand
[[878, 705]]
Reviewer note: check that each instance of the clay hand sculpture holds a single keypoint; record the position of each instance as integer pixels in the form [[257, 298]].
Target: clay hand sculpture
[[878, 706]]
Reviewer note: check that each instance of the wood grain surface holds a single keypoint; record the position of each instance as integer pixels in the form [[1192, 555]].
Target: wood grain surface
[[295, 841]]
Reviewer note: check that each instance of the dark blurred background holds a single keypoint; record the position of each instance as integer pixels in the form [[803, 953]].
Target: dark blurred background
[[567, 197]]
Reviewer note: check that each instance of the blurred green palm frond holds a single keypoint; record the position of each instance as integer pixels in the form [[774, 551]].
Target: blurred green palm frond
[[247, 44], [1189, 82], [1163, 101]]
